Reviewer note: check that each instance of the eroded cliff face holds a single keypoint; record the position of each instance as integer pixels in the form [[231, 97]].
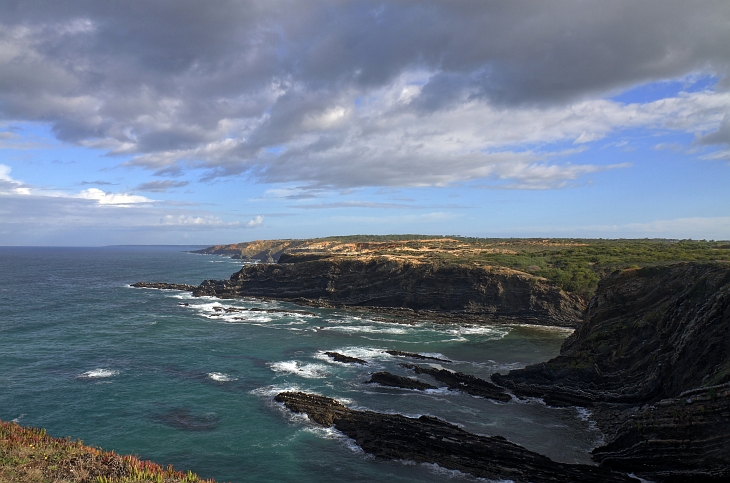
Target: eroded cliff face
[[653, 359], [382, 282]]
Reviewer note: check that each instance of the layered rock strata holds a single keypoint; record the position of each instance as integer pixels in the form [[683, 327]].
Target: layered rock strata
[[393, 380], [431, 440], [458, 381], [653, 361], [380, 282]]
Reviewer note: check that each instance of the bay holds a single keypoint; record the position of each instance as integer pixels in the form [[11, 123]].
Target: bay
[[178, 380]]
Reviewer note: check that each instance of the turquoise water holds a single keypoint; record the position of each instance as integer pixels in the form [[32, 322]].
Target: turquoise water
[[136, 370]]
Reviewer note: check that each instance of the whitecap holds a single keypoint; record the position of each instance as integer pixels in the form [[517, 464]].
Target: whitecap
[[98, 373], [332, 434], [497, 332], [220, 377], [368, 329], [451, 474], [271, 391], [309, 371], [364, 353]]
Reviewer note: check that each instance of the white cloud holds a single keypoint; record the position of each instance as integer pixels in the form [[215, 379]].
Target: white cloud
[[256, 221], [267, 88], [381, 143], [196, 222], [118, 199], [10, 186]]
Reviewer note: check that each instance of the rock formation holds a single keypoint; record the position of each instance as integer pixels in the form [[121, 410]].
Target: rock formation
[[458, 381], [165, 286], [431, 440], [336, 356], [392, 380], [380, 282], [653, 361], [414, 356]]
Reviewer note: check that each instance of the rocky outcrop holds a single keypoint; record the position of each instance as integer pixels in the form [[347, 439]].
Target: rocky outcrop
[[653, 361], [430, 440], [393, 380], [165, 286], [683, 438], [381, 282], [458, 381], [414, 356], [336, 356]]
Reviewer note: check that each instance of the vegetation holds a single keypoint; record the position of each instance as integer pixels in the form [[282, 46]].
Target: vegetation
[[29, 455], [576, 265]]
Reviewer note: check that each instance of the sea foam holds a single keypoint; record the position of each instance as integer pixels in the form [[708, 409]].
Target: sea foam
[[98, 373], [220, 377], [309, 371]]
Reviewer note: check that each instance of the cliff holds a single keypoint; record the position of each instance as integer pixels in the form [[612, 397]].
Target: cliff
[[397, 283], [652, 359]]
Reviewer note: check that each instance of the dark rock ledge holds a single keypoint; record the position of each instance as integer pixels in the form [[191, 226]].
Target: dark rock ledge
[[393, 380], [165, 286], [431, 440], [458, 381], [345, 359], [413, 355]]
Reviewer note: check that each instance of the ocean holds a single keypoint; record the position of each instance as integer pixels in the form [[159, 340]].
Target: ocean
[[165, 376]]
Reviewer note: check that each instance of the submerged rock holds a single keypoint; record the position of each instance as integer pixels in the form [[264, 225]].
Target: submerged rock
[[431, 440], [183, 418]]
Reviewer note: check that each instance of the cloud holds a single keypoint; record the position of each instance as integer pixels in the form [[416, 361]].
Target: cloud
[[350, 204], [256, 221], [97, 183], [119, 199], [160, 186], [10, 186], [719, 136], [358, 93]]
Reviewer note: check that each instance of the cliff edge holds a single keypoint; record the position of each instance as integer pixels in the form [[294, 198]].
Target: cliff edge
[[652, 360], [394, 283]]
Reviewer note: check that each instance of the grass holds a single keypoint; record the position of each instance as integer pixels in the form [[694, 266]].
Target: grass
[[29, 455], [576, 265]]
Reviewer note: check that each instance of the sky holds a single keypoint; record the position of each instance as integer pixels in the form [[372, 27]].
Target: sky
[[222, 121]]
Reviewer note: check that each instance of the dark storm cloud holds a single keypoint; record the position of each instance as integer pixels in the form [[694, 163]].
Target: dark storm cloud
[[228, 86]]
